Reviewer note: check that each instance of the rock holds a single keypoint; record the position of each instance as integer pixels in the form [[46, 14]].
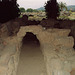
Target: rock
[[4, 30], [49, 23], [13, 27], [73, 72]]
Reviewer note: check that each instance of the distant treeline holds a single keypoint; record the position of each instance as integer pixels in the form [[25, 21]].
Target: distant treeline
[[29, 10]]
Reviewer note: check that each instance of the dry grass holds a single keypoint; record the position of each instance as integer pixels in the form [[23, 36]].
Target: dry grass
[[72, 16], [36, 15], [40, 15]]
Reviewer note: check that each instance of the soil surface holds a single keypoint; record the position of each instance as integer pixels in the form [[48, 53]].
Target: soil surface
[[31, 61]]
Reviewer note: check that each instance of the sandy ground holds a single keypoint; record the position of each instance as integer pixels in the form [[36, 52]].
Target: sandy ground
[[31, 61]]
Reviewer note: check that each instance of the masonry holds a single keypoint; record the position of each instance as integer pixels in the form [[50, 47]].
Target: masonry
[[56, 46]]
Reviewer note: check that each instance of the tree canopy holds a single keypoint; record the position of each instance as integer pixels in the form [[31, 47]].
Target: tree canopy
[[8, 10], [62, 6], [29, 10], [22, 9]]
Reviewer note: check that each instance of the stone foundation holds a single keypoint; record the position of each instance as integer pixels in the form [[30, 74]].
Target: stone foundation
[[56, 46]]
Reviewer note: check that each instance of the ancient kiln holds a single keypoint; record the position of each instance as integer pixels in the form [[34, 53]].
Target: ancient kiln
[[55, 44]]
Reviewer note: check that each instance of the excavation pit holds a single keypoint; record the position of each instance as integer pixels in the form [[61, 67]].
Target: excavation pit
[[31, 60]]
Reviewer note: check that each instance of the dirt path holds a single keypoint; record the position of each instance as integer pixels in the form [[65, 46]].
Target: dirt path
[[31, 61]]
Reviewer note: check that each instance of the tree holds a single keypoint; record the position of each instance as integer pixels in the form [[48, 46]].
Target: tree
[[62, 6], [22, 9], [64, 13], [52, 9], [8, 10], [29, 10]]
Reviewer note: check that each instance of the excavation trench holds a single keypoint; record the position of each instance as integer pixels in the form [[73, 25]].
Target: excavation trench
[[31, 60]]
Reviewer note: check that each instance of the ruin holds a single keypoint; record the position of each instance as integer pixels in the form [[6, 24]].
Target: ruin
[[35, 47], [56, 50]]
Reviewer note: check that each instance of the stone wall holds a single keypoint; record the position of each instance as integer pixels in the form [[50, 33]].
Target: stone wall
[[56, 46]]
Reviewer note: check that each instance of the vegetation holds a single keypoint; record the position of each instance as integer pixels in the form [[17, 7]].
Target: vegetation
[[52, 9], [31, 10], [66, 11], [69, 8], [22, 9], [62, 11], [35, 10], [8, 10], [35, 15]]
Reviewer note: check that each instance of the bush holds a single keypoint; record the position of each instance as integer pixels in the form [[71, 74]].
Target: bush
[[52, 9]]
